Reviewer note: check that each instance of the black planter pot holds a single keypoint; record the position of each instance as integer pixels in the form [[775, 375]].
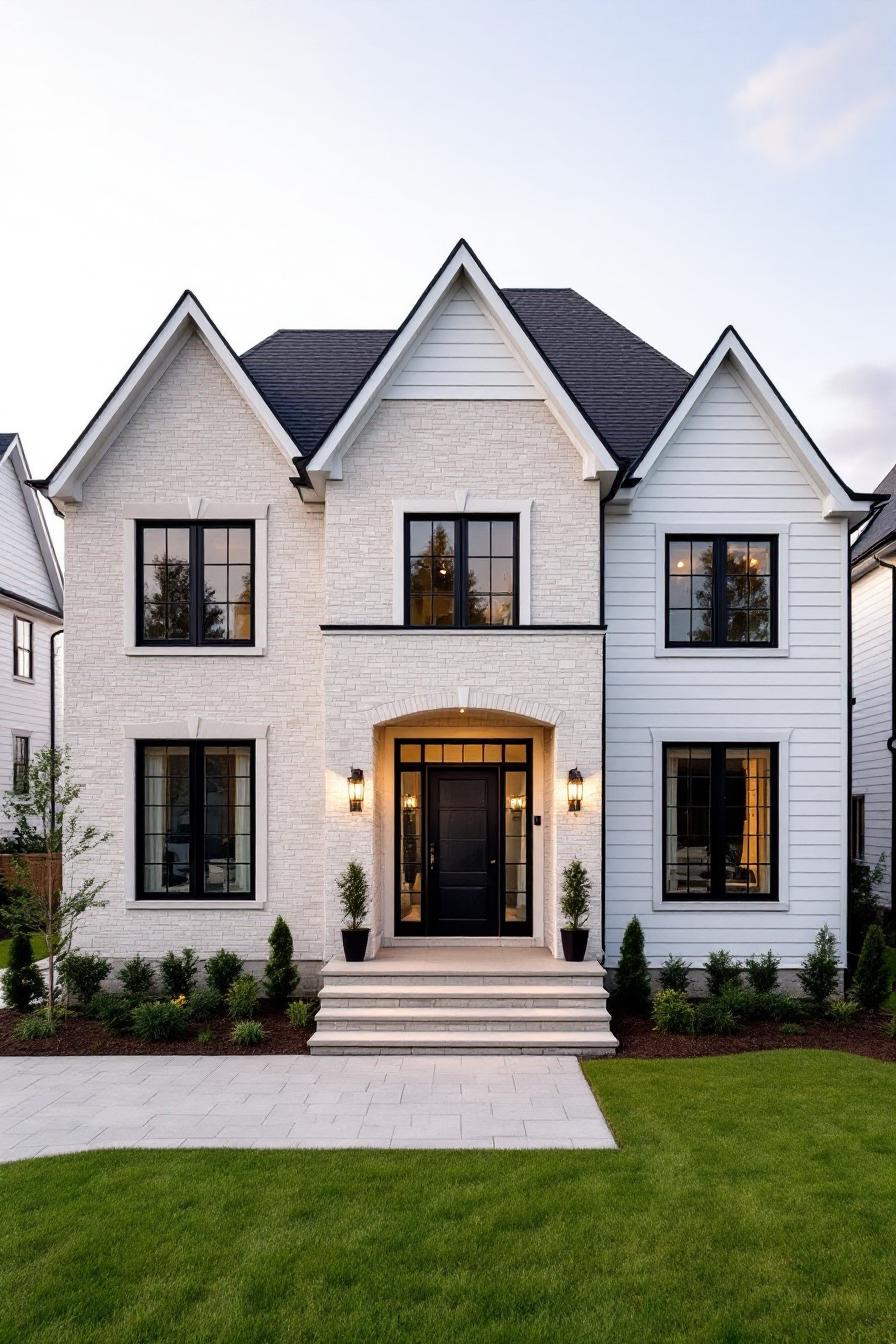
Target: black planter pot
[[354, 943], [574, 943]]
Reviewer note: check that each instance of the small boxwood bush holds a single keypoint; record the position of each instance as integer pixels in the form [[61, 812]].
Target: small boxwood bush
[[205, 1003], [160, 1021], [781, 1007], [138, 979], [762, 972], [672, 1013], [179, 973], [222, 969], [721, 970], [205, 1038], [82, 975], [242, 998], [22, 981], [713, 1017], [675, 974], [792, 1029], [36, 1027], [247, 1032], [115, 1011], [300, 1013]]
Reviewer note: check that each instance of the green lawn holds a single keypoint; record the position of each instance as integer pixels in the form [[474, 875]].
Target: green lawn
[[38, 947], [752, 1200]]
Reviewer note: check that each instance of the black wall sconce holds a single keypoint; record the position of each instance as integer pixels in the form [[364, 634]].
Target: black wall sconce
[[356, 790], [574, 786]]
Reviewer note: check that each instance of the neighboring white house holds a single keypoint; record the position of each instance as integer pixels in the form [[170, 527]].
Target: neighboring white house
[[468, 564], [874, 697], [30, 614]]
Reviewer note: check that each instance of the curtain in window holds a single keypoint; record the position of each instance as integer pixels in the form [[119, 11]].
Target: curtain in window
[[156, 823], [755, 848], [242, 839]]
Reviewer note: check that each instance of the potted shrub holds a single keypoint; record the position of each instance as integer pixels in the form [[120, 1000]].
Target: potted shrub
[[574, 905], [353, 899]]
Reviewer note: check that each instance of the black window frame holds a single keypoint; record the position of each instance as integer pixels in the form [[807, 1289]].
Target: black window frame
[[857, 827], [196, 531], [21, 764], [18, 648], [720, 542], [196, 748], [461, 557], [717, 834]]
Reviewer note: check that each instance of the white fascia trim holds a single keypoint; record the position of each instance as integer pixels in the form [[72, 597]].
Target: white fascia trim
[[598, 462], [192, 509], [735, 523], [461, 502], [35, 506], [196, 728], [692, 730], [835, 500], [66, 482]]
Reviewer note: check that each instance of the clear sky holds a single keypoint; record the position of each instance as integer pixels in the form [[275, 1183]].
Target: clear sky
[[683, 164]]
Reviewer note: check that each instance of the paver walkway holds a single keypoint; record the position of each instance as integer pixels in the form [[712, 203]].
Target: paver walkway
[[69, 1104]]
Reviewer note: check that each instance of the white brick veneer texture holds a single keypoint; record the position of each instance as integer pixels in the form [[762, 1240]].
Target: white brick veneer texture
[[193, 436]]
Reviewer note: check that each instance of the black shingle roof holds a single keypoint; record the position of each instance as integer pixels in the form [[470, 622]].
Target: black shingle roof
[[5, 441], [623, 385], [883, 524]]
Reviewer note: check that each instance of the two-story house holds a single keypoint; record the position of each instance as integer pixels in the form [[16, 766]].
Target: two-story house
[[30, 622], [461, 601]]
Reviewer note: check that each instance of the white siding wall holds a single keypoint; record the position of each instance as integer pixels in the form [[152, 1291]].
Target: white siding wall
[[872, 662], [24, 705], [461, 355], [724, 468], [22, 568]]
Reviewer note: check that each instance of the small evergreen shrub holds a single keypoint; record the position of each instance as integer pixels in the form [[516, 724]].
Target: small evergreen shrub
[[843, 1011], [891, 1028], [242, 998], [819, 974], [222, 969], [160, 1021], [575, 897], [713, 1017], [352, 887], [115, 1011], [871, 982], [36, 1027], [631, 987], [22, 981], [792, 1029], [300, 1013], [205, 1003], [247, 1032], [743, 1003], [778, 1007], [280, 975], [762, 972], [204, 1038], [675, 974], [721, 970], [82, 975], [138, 979], [179, 973], [671, 1012]]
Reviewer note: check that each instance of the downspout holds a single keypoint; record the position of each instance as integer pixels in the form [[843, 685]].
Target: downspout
[[603, 746], [55, 635]]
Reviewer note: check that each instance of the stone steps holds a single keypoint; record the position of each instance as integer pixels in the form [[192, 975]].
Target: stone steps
[[463, 1000]]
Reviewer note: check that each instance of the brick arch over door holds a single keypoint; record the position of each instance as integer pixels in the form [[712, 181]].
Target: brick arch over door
[[534, 711]]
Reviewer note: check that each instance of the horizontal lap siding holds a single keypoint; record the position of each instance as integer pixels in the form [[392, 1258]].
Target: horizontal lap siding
[[726, 462], [24, 705], [872, 657], [22, 568]]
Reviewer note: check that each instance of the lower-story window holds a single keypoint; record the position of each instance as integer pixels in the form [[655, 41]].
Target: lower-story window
[[21, 761], [720, 809], [195, 820], [857, 828]]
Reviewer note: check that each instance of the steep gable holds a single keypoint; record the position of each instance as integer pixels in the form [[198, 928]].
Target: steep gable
[[28, 567]]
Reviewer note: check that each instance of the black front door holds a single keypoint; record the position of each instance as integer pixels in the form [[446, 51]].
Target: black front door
[[463, 851]]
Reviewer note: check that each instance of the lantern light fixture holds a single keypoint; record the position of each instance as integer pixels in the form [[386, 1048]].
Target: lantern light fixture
[[356, 790], [409, 802], [574, 787], [517, 802]]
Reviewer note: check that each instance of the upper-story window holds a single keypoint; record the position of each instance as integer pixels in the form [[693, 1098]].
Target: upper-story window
[[721, 591], [195, 583], [461, 571], [23, 648]]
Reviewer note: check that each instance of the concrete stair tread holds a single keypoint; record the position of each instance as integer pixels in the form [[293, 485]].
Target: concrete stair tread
[[500, 1042], [518, 988], [455, 1014]]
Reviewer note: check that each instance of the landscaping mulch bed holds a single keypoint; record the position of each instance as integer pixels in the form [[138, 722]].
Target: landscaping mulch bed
[[82, 1036], [867, 1036]]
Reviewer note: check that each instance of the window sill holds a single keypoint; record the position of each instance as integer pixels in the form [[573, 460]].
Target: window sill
[[26, 681], [780, 652], [197, 651], [195, 905], [771, 907]]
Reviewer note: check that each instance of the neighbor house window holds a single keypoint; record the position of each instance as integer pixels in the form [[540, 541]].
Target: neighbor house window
[[721, 591], [195, 820], [461, 571], [23, 648], [720, 821], [21, 759], [195, 583], [857, 828]]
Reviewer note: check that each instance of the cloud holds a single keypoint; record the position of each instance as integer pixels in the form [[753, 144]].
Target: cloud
[[862, 441], [812, 101]]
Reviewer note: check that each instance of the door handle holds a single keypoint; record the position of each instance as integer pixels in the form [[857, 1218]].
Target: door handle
[[493, 860], [432, 857]]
